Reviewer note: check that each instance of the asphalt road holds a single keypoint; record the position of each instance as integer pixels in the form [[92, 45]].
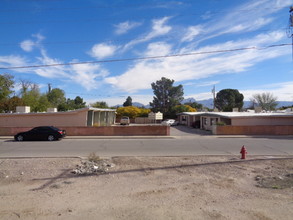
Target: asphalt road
[[181, 143]]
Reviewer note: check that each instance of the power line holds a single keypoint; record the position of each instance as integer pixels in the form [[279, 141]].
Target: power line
[[144, 58]]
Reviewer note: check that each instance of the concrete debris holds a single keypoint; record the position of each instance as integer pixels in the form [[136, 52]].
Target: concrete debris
[[91, 167]]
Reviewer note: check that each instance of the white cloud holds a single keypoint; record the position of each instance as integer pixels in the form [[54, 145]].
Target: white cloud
[[51, 71], [85, 75], [103, 50], [159, 28], [143, 73], [12, 60], [250, 16], [283, 91], [158, 49], [88, 75], [29, 45], [126, 26], [140, 75], [192, 32], [249, 26], [283, 3]]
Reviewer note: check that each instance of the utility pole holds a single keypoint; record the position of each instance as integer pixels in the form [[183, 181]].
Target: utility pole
[[49, 87], [214, 96], [290, 27]]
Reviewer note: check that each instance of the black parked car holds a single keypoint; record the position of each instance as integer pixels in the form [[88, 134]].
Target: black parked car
[[48, 133]]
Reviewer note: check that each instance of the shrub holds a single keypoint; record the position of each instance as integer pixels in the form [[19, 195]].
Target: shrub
[[220, 123]]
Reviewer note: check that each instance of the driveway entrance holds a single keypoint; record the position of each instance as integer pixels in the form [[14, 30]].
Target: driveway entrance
[[182, 130]]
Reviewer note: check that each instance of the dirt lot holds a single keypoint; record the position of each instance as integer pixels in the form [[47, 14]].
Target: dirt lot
[[217, 187]]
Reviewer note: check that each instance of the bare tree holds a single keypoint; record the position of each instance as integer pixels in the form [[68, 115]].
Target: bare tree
[[25, 86], [266, 101]]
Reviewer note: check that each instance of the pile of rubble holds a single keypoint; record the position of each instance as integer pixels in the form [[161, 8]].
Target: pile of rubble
[[92, 167], [275, 182]]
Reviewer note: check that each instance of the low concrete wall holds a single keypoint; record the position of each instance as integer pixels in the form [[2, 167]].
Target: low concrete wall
[[100, 131], [253, 130]]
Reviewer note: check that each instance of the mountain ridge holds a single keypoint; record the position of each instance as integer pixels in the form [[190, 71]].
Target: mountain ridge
[[208, 103]]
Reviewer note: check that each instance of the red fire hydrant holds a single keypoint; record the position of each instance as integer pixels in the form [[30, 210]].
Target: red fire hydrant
[[243, 152]]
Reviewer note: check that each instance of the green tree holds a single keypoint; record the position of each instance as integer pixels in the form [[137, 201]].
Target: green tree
[[6, 86], [79, 103], [56, 97], [43, 103], [9, 105], [195, 105], [166, 96], [183, 108], [101, 104], [128, 102], [64, 106], [31, 98], [266, 101], [227, 99], [72, 104]]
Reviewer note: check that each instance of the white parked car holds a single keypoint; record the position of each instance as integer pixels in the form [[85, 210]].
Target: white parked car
[[124, 120], [170, 122]]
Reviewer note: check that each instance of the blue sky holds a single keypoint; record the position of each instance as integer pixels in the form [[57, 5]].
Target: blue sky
[[43, 32]]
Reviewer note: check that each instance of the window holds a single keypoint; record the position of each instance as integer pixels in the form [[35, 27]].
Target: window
[[205, 121], [214, 121]]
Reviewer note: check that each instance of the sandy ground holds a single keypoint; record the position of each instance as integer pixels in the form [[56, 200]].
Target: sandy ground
[[218, 187]]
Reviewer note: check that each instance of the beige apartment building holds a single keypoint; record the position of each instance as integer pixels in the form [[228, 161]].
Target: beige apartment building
[[80, 118], [240, 122]]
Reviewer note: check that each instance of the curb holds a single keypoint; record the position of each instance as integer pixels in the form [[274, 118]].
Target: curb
[[104, 137]]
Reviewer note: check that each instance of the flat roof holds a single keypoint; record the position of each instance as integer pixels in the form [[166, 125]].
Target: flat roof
[[238, 114], [66, 112]]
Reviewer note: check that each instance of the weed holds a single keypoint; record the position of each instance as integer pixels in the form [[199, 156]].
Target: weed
[[55, 186], [93, 157], [67, 182]]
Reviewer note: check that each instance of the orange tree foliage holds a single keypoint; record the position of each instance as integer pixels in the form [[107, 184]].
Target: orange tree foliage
[[144, 112], [183, 108], [132, 112]]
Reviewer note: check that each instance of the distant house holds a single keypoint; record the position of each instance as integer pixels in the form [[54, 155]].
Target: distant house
[[80, 117], [237, 120]]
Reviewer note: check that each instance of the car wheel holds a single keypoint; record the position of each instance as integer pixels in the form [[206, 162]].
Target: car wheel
[[19, 138], [51, 137]]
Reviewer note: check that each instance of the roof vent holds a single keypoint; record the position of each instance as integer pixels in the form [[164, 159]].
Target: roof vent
[[23, 109], [258, 109], [51, 110]]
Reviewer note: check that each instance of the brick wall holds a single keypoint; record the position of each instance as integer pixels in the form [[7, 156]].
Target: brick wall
[[100, 131], [254, 130]]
